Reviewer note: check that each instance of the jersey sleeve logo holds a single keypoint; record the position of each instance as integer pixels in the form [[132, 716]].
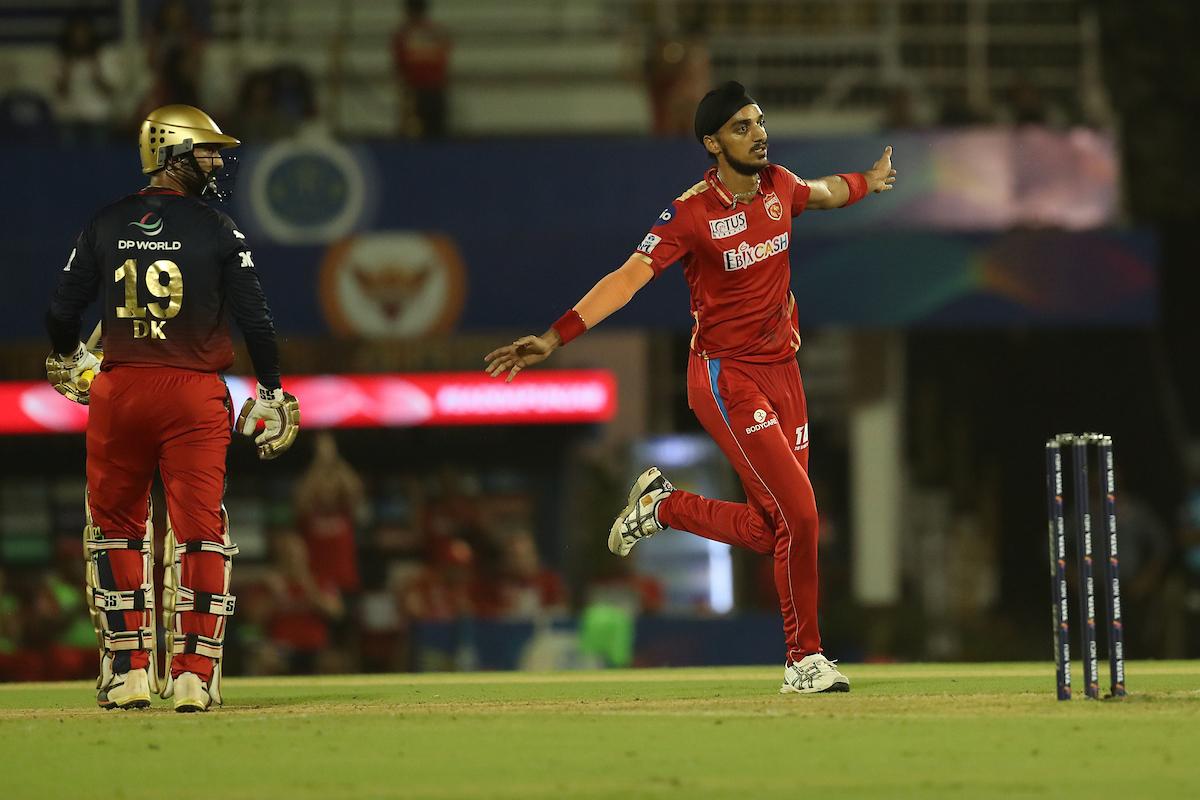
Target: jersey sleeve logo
[[70, 261], [649, 243], [247, 261], [727, 226], [666, 216]]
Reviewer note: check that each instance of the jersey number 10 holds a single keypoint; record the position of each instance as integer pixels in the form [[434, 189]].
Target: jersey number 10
[[171, 291]]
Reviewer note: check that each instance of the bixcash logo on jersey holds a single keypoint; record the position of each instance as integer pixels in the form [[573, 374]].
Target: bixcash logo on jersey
[[747, 255]]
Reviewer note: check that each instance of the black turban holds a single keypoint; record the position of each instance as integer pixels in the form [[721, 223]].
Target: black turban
[[718, 106]]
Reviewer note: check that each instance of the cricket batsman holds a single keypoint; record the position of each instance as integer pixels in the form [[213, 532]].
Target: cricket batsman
[[169, 269], [733, 233]]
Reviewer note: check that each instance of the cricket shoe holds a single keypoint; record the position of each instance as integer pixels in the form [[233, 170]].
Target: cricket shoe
[[813, 674], [639, 519], [191, 694], [127, 690]]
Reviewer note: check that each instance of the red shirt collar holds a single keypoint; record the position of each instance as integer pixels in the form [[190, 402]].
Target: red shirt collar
[[723, 194]]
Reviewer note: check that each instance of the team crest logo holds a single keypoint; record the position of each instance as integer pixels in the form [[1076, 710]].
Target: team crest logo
[[394, 284], [151, 224], [774, 207]]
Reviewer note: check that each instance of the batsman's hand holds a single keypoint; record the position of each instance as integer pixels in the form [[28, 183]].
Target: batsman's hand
[[524, 352], [279, 412], [881, 176], [71, 375]]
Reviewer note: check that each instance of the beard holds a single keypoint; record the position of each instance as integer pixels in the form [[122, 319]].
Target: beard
[[190, 174], [744, 167]]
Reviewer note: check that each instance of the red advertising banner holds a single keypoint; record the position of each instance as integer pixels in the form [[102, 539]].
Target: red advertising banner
[[371, 401]]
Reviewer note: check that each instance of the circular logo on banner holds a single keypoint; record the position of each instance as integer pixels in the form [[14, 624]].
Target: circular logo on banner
[[307, 192], [394, 284]]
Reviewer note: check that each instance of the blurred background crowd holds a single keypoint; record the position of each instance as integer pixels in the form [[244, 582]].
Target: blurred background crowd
[[1032, 275]]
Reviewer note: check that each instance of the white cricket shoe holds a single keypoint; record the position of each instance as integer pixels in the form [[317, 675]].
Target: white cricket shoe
[[639, 519], [813, 674], [190, 693], [127, 690]]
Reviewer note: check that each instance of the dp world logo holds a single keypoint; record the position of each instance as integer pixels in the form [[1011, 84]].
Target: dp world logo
[[151, 224]]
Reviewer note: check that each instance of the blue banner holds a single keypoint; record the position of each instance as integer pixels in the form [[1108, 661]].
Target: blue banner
[[404, 239]]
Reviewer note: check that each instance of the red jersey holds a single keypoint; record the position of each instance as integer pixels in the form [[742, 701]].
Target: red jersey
[[735, 259]]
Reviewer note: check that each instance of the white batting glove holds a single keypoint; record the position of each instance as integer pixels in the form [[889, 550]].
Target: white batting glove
[[72, 374], [280, 414]]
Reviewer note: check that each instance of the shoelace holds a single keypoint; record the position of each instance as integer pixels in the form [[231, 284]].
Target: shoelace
[[809, 673]]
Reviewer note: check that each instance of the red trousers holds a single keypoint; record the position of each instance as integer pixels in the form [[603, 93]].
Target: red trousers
[[175, 420], [757, 414]]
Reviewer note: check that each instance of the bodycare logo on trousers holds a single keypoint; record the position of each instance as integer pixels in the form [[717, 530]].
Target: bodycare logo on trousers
[[761, 421]]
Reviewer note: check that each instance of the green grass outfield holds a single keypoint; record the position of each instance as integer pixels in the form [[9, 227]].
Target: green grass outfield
[[927, 731]]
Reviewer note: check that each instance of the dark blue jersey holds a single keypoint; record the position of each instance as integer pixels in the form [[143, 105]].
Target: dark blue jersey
[[170, 271]]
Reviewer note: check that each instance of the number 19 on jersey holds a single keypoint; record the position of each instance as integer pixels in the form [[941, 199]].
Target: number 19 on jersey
[[163, 280]]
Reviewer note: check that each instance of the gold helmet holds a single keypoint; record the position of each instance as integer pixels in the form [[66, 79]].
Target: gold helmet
[[168, 127]]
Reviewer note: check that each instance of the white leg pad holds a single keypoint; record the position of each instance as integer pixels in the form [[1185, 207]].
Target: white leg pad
[[178, 598], [102, 601]]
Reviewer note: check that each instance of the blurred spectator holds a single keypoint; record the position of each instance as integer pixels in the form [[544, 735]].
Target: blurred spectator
[[958, 111], [175, 51], [1028, 105], [257, 117], [529, 588], [304, 607], [73, 652], [399, 506], [329, 498], [10, 628], [678, 71], [25, 115], [421, 55], [273, 104], [899, 112], [294, 95], [441, 590], [83, 93]]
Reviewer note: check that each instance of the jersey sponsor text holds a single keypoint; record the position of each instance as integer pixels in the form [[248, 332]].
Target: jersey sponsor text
[[727, 226], [747, 255], [130, 244]]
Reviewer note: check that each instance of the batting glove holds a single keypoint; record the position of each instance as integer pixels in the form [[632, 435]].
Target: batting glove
[[72, 374], [279, 413]]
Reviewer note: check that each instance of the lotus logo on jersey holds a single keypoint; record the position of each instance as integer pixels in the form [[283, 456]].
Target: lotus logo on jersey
[[727, 226], [151, 224], [746, 255]]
